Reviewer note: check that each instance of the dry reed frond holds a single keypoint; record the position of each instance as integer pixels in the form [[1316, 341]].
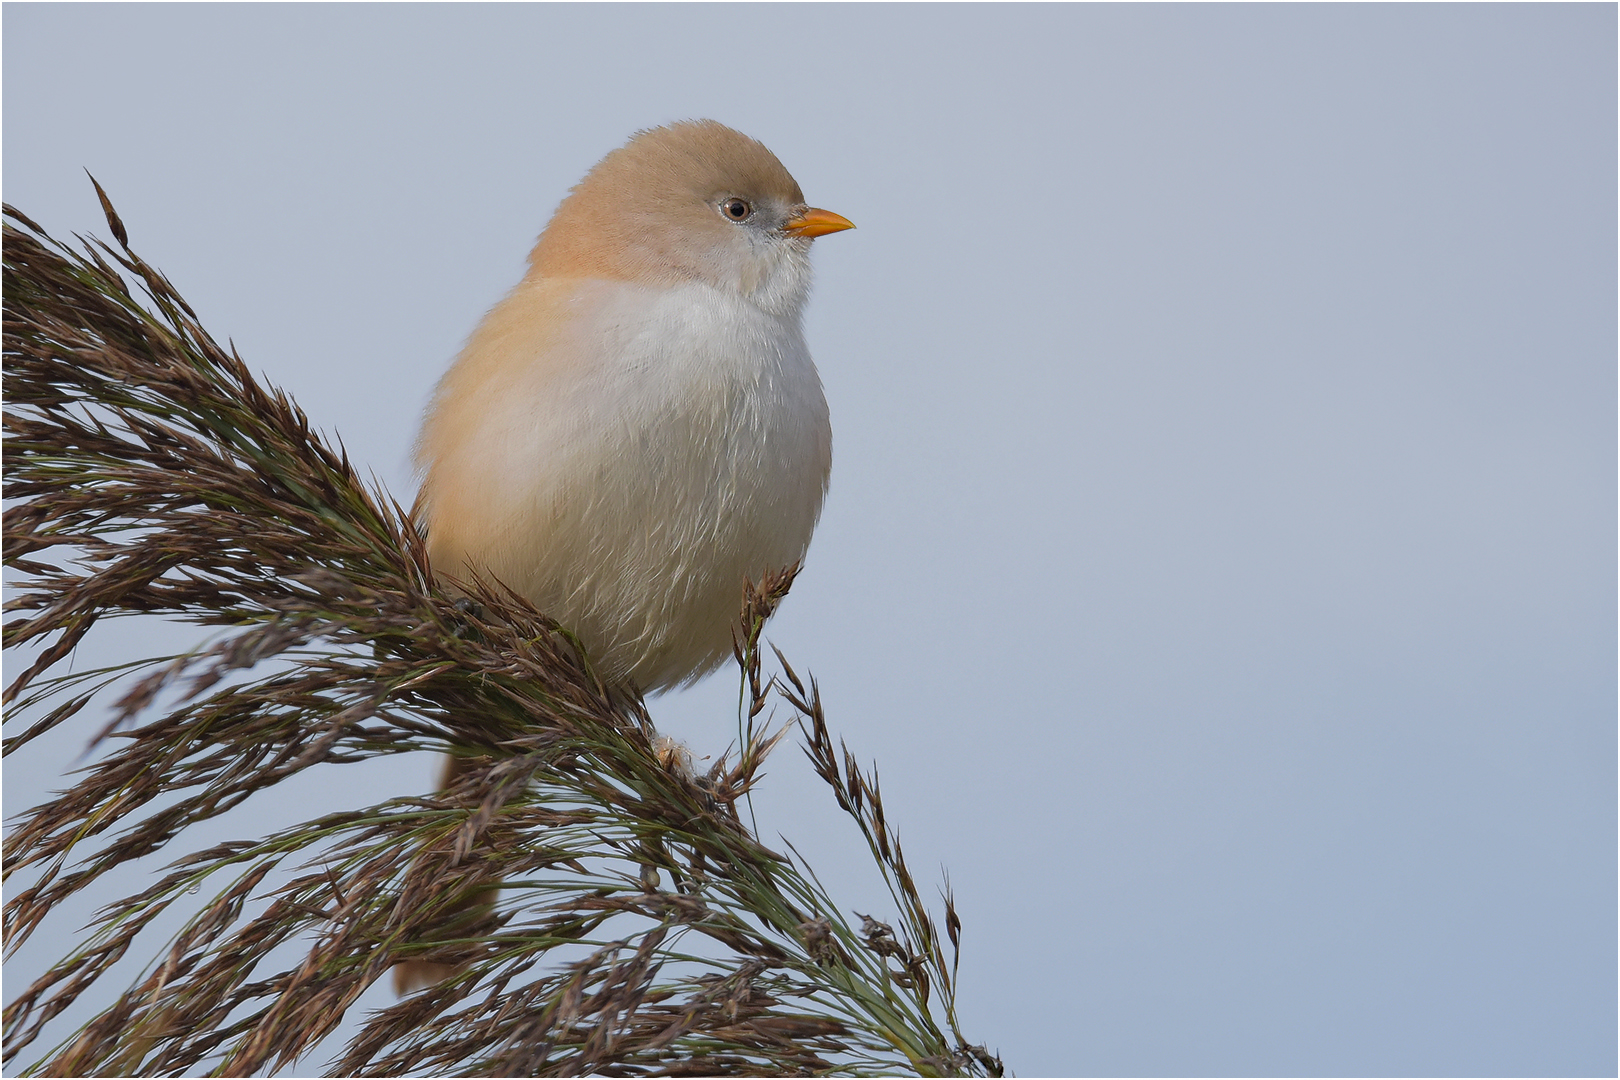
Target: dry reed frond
[[639, 929]]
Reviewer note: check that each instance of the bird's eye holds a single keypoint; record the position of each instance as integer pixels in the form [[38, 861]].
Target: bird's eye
[[736, 209]]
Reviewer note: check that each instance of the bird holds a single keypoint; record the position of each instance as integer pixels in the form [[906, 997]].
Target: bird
[[637, 429]]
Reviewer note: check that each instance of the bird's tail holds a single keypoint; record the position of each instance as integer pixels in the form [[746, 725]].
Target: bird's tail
[[465, 915]]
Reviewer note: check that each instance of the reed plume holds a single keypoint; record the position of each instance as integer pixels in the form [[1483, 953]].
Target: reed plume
[[640, 927]]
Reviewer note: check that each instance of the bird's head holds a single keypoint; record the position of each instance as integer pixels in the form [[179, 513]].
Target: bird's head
[[693, 201]]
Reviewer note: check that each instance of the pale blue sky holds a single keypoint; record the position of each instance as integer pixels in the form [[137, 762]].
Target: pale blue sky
[[1220, 558]]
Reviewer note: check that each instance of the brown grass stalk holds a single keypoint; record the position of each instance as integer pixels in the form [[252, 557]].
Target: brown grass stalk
[[639, 928]]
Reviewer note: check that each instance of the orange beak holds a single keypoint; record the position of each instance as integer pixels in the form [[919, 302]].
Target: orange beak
[[811, 222]]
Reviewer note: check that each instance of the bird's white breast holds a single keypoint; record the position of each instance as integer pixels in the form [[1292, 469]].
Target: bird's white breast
[[631, 465]]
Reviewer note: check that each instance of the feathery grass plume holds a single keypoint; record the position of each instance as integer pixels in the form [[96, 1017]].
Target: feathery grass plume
[[639, 927]]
